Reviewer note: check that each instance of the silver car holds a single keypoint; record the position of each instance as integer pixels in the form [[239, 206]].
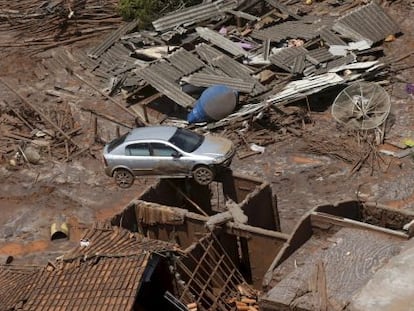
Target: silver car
[[166, 151]]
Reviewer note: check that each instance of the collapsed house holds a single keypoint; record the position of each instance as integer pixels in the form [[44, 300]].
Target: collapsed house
[[275, 55], [331, 256], [111, 269], [182, 246]]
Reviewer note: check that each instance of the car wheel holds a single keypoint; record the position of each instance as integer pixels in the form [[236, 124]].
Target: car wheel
[[203, 175], [123, 178]]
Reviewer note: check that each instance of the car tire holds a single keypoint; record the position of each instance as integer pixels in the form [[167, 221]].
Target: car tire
[[203, 175], [123, 178]]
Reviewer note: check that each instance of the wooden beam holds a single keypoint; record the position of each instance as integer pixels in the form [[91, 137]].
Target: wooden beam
[[41, 114]]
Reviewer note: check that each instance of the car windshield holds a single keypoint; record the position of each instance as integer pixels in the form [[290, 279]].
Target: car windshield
[[186, 140], [116, 142]]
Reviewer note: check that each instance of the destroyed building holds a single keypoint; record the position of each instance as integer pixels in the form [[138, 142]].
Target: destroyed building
[[182, 246]]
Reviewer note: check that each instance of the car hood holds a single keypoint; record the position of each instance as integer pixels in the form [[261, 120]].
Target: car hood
[[214, 146]]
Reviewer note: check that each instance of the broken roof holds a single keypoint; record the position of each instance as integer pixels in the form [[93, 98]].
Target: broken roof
[[104, 273], [215, 51], [332, 254]]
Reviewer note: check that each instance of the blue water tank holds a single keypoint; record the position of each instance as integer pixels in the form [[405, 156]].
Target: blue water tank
[[215, 103]]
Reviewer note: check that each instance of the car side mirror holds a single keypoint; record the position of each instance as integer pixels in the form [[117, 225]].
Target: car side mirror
[[176, 155]]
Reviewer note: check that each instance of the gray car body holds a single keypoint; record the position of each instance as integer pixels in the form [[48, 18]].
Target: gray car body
[[214, 152]]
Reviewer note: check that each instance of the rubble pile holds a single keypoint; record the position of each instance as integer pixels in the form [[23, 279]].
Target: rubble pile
[[40, 25], [273, 53], [29, 133]]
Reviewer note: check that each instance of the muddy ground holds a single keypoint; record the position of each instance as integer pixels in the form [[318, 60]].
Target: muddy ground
[[77, 192]]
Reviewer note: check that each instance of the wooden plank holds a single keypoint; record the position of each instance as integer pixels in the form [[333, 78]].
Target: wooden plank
[[41, 114]]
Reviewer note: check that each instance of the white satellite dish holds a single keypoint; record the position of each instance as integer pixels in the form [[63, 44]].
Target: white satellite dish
[[362, 106]]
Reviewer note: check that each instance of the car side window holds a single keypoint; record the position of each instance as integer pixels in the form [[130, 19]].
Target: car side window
[[141, 149], [162, 150]]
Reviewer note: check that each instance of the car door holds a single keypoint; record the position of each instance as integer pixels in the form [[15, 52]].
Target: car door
[[138, 158], [169, 161]]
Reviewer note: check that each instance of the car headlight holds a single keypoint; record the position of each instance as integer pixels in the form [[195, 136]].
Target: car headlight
[[219, 159]]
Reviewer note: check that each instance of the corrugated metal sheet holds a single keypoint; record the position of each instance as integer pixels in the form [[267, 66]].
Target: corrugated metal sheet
[[350, 58], [237, 70], [166, 87], [369, 23], [220, 41], [207, 52], [167, 71], [286, 30], [185, 61], [299, 63], [116, 58], [194, 14], [200, 79], [321, 55], [330, 37], [285, 58], [112, 38], [282, 8]]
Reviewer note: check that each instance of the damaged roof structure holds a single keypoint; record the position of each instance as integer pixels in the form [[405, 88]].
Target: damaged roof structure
[[275, 54], [326, 263], [108, 270]]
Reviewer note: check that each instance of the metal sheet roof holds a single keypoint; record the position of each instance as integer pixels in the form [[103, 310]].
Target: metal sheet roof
[[112, 38], [285, 58], [162, 85], [167, 71], [282, 8], [220, 41], [236, 70], [185, 61], [290, 29], [369, 22], [200, 79], [330, 37], [321, 55], [194, 14]]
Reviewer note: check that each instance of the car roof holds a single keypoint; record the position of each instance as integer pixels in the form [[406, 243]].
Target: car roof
[[151, 132]]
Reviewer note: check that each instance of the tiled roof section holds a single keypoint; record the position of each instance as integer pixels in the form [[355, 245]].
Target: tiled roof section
[[194, 14], [164, 86], [201, 79], [13, 285], [119, 242], [288, 30], [369, 22], [285, 58], [185, 61], [98, 284]]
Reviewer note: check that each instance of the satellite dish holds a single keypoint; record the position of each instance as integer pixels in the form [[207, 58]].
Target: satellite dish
[[362, 106]]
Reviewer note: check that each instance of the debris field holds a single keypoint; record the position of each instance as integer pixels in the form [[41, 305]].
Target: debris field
[[322, 177]]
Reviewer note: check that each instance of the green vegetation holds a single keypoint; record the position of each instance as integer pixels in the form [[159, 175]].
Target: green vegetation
[[148, 10]]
